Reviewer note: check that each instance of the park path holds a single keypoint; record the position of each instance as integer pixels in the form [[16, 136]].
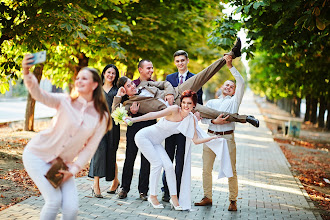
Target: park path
[[12, 110], [267, 188]]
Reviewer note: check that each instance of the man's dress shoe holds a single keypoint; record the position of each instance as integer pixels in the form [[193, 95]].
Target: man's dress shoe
[[232, 206], [166, 197], [143, 196], [237, 48], [204, 202], [252, 120], [122, 194]]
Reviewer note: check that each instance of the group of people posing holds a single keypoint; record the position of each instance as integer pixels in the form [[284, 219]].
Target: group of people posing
[[83, 129]]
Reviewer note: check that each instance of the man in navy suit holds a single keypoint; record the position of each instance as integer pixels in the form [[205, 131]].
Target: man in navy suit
[[175, 144]]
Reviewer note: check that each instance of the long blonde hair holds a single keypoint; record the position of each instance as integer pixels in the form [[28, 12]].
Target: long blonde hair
[[100, 103]]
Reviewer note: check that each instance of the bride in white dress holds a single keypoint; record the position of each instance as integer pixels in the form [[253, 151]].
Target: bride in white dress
[[174, 120]]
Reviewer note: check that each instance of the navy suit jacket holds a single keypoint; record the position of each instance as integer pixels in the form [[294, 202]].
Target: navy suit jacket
[[174, 80]]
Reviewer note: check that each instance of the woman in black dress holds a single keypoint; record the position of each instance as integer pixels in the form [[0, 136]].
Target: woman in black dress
[[103, 163]]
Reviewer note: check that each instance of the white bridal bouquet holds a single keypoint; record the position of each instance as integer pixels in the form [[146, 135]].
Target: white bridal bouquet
[[120, 116]]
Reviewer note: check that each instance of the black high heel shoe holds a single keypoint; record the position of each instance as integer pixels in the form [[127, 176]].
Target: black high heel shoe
[[96, 195], [114, 191]]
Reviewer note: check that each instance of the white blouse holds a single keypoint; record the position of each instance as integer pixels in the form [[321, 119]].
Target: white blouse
[[75, 132]]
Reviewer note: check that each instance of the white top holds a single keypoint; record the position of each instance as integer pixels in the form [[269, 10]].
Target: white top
[[75, 132], [228, 104]]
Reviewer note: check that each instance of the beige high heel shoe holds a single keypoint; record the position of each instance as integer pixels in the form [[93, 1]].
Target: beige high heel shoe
[[96, 195]]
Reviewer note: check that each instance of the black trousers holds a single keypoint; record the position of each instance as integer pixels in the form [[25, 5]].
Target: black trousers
[[130, 156], [175, 146]]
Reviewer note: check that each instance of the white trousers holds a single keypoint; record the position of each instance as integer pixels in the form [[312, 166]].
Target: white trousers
[[158, 159], [65, 196]]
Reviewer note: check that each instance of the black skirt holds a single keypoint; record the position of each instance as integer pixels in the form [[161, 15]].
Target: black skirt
[[104, 160]]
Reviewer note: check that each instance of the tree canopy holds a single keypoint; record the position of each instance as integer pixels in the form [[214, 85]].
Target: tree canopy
[[288, 45], [290, 42], [81, 33]]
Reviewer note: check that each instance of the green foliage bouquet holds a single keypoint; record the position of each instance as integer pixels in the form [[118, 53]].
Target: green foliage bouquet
[[120, 116]]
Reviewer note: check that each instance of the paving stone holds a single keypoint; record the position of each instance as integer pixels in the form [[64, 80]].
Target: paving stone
[[267, 188]]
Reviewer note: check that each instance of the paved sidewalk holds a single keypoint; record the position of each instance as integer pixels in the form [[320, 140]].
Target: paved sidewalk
[[267, 189], [14, 110]]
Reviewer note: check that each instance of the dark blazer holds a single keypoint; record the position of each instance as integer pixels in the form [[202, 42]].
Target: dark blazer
[[174, 80]]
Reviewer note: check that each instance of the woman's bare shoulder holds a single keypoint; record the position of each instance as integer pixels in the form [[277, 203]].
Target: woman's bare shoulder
[[174, 108]]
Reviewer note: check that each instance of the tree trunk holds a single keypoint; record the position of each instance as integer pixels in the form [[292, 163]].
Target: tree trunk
[[322, 108], [314, 102], [308, 108], [270, 100], [287, 105], [130, 71], [280, 103], [83, 62], [30, 104], [295, 108], [328, 118]]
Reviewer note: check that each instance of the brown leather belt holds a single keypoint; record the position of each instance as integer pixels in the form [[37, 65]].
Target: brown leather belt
[[220, 132]]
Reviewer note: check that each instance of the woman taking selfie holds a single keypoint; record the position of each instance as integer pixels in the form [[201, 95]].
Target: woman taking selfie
[[76, 130]]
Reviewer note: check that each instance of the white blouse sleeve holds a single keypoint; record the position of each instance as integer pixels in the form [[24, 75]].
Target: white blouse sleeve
[[52, 100], [90, 147]]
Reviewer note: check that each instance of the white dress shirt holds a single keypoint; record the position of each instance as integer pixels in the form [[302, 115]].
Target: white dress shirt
[[184, 76], [228, 104]]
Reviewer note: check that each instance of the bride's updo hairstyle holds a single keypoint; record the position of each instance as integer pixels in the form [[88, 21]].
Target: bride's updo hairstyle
[[189, 94]]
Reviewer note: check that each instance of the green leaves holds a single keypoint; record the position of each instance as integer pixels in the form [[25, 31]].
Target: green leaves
[[256, 5], [67, 26], [224, 35], [288, 44], [247, 8], [320, 24], [98, 32], [63, 29], [277, 6]]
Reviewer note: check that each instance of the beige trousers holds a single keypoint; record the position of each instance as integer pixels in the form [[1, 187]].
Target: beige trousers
[[208, 161]]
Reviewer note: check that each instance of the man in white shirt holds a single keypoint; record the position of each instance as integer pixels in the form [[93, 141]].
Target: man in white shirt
[[228, 101]]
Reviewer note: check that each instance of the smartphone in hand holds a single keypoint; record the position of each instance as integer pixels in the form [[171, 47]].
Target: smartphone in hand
[[39, 57]]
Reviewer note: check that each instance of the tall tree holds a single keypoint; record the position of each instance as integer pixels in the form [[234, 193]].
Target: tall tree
[[64, 27], [80, 33], [292, 39]]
